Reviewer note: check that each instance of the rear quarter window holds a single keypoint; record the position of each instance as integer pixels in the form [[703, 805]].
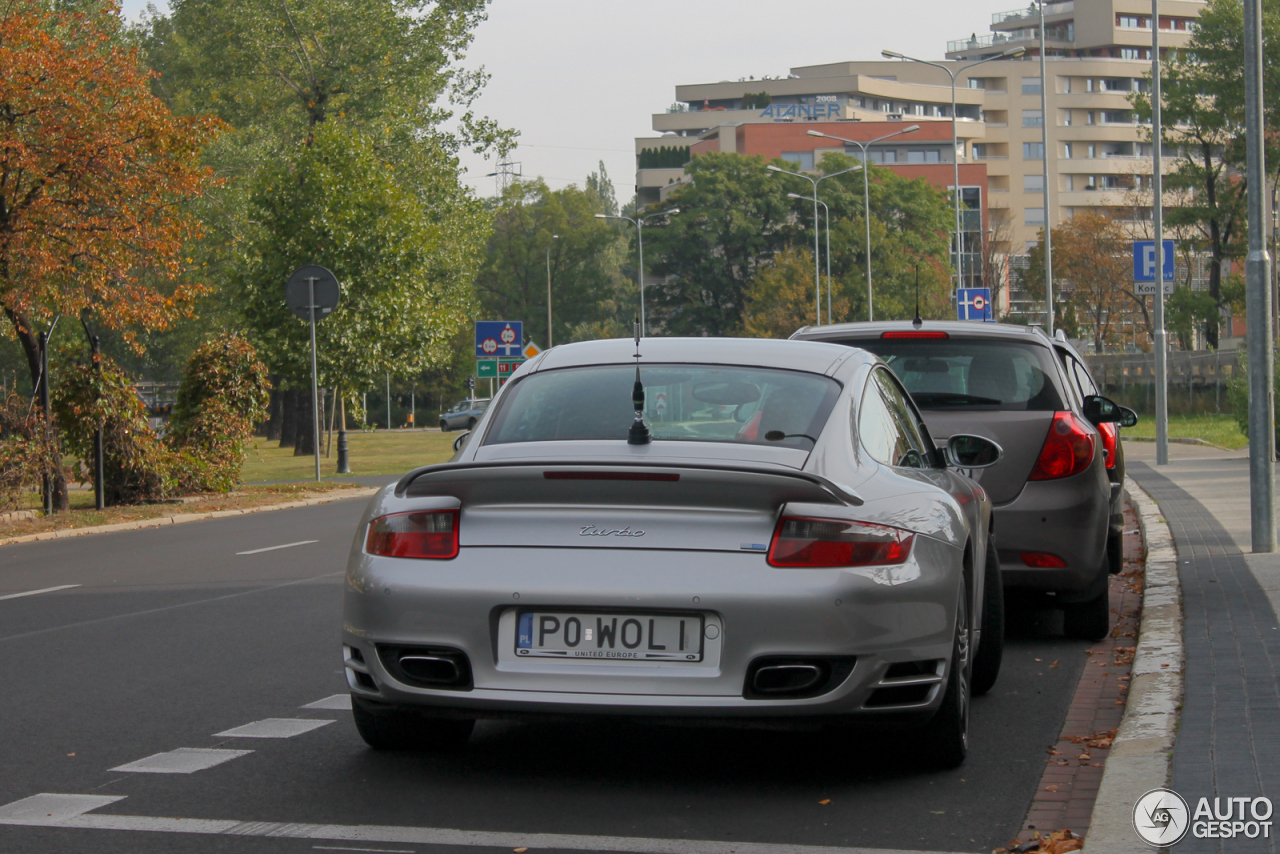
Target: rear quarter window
[[970, 374]]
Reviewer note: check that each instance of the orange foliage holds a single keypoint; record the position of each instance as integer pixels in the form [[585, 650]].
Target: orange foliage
[[93, 170]]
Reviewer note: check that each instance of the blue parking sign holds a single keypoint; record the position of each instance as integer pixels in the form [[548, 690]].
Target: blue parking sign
[[499, 338], [974, 304], [1144, 261]]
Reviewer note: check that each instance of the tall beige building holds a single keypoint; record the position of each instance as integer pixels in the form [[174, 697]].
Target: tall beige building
[[1097, 54]]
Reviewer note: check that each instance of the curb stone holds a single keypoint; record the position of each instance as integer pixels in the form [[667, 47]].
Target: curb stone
[[1140, 757], [180, 518]]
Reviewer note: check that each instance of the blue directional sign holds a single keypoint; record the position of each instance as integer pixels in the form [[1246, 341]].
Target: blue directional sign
[[974, 304], [499, 338], [1144, 261]]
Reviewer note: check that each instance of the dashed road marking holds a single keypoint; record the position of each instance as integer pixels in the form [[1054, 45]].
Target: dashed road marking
[[274, 728], [70, 811], [344, 848], [37, 592], [336, 703], [184, 760], [273, 548]]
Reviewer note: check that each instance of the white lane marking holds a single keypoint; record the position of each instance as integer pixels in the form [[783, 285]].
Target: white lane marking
[[184, 760], [274, 728], [273, 548], [336, 703], [343, 848], [419, 835], [45, 809], [37, 592]]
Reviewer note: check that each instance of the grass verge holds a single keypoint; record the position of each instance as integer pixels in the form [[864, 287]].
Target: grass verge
[[1217, 429], [83, 515], [389, 452]]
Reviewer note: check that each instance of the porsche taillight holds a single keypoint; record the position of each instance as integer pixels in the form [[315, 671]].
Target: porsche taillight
[[431, 534], [1110, 438], [1068, 448], [803, 542]]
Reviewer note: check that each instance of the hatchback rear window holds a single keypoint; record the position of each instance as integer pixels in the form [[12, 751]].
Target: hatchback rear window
[[959, 373], [692, 403]]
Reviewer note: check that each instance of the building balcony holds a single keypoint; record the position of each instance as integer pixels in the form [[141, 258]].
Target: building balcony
[[1058, 37], [1032, 13]]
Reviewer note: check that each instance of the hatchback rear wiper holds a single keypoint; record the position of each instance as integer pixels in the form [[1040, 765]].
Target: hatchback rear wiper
[[949, 398]]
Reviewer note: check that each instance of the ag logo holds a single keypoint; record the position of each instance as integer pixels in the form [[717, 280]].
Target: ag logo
[[1161, 817]]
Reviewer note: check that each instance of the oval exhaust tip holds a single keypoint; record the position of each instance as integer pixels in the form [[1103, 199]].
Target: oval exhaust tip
[[787, 678], [431, 668]]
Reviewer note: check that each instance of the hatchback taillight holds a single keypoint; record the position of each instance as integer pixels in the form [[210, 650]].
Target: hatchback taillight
[[1068, 449], [1110, 438], [418, 534], [802, 542]]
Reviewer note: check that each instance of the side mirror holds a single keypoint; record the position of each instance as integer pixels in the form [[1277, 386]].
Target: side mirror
[[1128, 418], [972, 452], [1101, 410], [461, 440]]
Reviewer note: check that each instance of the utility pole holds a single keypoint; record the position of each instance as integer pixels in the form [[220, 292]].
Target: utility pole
[[1044, 143], [1257, 274], [1157, 223]]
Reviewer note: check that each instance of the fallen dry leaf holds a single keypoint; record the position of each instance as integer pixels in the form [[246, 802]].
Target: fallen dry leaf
[[1037, 659], [519, 850], [1084, 756], [71, 754], [825, 801], [1055, 661], [1052, 788], [1051, 752]]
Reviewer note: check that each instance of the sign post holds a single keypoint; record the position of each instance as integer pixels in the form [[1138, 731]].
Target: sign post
[[1145, 264], [312, 294]]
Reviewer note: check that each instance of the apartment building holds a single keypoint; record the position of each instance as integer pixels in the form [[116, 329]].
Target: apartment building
[[1097, 54]]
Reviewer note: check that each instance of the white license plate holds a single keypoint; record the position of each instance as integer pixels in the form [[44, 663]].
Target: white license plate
[[612, 637]]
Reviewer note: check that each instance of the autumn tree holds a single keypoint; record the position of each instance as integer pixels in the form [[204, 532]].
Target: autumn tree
[[779, 299], [93, 173], [1093, 274]]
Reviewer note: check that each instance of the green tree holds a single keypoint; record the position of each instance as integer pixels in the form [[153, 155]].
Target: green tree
[[405, 269], [587, 285], [1203, 120]]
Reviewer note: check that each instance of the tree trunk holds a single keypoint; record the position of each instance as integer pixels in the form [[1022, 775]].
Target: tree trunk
[[288, 417], [30, 342], [304, 443], [275, 410]]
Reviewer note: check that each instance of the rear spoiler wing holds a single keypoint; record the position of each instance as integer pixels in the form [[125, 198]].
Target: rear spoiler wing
[[526, 478]]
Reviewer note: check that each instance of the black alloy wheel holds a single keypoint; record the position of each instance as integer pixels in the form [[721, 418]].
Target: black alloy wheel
[[946, 736]]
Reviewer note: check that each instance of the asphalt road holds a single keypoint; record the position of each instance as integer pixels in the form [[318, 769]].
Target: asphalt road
[[170, 638]]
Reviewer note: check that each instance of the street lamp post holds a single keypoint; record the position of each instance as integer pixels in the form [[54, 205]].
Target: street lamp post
[[817, 278], [553, 237], [826, 218], [639, 222], [866, 199], [955, 141]]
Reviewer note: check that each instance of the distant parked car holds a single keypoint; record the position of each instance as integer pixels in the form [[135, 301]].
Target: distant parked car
[[1058, 489], [463, 415]]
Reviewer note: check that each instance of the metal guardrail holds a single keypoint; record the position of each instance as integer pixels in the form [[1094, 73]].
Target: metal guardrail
[[1198, 379]]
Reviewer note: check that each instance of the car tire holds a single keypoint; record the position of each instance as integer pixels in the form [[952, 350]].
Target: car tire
[[946, 737], [395, 728], [1089, 620], [1115, 552], [444, 426], [471, 424], [986, 663]]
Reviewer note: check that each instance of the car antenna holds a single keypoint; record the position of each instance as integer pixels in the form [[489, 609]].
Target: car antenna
[[916, 321], [639, 432]]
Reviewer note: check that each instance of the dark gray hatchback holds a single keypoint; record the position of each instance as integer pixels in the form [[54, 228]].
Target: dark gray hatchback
[[1057, 491]]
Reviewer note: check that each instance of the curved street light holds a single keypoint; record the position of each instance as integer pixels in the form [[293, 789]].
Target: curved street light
[[866, 200], [549, 344], [955, 142], [826, 217], [639, 222], [817, 278]]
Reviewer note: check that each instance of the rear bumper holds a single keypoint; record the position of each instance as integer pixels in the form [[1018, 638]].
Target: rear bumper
[[875, 616], [1068, 518]]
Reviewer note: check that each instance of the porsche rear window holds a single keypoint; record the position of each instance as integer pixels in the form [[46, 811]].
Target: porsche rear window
[[970, 373], [691, 403]]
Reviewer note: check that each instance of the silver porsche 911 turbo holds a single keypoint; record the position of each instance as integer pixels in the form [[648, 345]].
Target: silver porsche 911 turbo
[[750, 530]]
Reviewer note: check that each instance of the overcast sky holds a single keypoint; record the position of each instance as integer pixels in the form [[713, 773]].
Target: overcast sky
[[580, 78]]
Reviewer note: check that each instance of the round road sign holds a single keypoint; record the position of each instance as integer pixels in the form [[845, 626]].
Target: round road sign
[[489, 345], [508, 336], [297, 291], [980, 303]]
